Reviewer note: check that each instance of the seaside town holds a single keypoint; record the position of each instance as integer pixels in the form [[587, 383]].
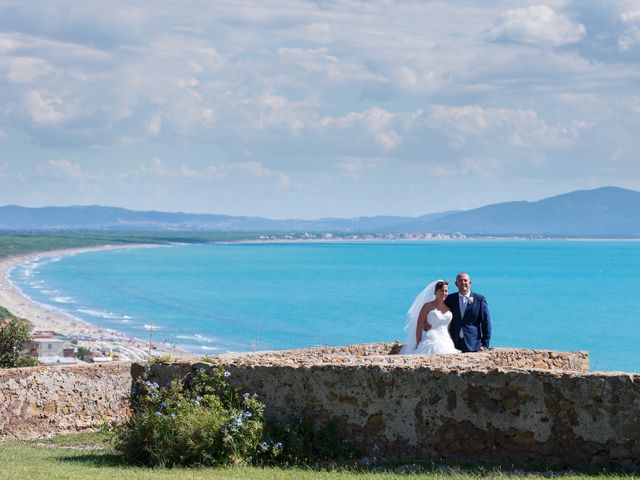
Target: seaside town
[[402, 236], [364, 236], [58, 338], [52, 348]]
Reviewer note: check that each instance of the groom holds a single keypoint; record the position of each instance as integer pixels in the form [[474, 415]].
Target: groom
[[470, 327]]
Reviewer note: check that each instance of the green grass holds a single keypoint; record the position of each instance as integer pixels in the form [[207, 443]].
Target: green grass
[[88, 456]]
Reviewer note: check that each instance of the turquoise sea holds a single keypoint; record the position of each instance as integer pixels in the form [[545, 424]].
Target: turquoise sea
[[565, 295]]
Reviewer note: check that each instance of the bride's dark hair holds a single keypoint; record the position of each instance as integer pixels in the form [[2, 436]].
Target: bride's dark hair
[[441, 284]]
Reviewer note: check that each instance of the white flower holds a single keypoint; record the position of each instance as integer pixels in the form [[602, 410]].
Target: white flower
[[470, 300]]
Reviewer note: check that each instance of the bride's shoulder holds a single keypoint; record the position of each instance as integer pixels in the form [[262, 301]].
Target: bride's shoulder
[[427, 307]]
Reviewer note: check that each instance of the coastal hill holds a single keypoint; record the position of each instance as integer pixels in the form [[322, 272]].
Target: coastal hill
[[607, 211], [604, 211]]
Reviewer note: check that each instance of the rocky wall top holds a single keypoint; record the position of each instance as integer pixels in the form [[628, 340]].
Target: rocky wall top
[[387, 354]]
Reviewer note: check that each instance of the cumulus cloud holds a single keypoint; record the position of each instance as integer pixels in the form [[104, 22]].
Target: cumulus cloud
[[242, 172], [377, 125], [473, 125], [630, 37], [64, 170], [320, 62], [42, 111], [294, 93], [537, 25]]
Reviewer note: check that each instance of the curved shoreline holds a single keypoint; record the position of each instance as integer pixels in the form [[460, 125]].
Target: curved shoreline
[[45, 318]]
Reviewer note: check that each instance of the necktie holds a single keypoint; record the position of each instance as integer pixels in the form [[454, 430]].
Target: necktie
[[463, 304], [463, 308]]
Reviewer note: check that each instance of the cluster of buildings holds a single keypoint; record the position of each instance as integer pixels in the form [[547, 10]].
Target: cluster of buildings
[[364, 236], [54, 349]]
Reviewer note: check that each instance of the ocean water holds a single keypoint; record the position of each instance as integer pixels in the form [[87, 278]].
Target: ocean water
[[564, 295]]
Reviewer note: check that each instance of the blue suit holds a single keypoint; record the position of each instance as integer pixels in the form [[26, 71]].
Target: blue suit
[[475, 325]]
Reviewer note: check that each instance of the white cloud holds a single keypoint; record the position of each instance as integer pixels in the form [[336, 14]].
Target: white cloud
[[536, 24], [472, 126], [7, 44], [42, 111], [64, 170], [154, 126], [238, 172], [319, 62], [311, 94], [25, 70], [374, 125], [630, 37]]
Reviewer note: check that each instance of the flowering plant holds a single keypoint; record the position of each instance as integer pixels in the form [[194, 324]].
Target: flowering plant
[[199, 420], [202, 419]]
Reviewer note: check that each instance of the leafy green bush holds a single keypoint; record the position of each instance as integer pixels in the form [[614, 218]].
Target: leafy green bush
[[84, 354], [160, 359], [203, 420], [14, 337], [200, 421]]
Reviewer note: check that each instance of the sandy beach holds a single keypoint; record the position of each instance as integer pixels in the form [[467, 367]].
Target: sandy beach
[[88, 335]]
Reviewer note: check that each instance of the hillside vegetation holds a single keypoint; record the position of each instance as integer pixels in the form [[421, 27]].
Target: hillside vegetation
[[22, 243]]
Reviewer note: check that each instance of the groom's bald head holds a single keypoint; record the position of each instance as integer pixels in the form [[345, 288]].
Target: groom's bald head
[[463, 282]]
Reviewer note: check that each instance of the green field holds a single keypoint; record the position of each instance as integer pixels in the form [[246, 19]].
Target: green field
[[88, 456], [12, 243]]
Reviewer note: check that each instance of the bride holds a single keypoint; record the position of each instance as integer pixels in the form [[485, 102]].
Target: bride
[[428, 322]]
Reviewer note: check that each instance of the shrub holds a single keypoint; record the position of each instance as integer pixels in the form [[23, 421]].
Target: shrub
[[84, 354], [200, 421], [203, 420], [160, 359], [14, 337]]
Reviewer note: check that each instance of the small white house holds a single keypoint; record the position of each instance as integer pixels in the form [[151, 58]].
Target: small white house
[[49, 347]]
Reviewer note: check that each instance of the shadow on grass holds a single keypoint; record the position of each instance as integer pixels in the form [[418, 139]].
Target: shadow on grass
[[95, 459], [427, 467]]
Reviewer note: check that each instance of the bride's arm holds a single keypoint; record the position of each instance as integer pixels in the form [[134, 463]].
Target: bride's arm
[[422, 323]]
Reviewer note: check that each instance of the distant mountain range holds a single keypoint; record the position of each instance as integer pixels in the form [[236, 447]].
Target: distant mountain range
[[602, 212]]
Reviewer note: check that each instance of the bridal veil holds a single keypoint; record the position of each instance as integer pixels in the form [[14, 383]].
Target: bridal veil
[[425, 296]]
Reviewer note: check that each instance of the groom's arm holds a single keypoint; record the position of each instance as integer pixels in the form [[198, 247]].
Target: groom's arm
[[485, 323]]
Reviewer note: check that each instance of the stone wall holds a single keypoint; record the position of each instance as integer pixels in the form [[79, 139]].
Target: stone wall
[[503, 406], [42, 401]]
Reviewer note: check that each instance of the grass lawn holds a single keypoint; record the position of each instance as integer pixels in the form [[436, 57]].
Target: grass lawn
[[87, 456]]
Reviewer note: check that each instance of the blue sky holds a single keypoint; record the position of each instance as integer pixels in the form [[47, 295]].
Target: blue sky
[[308, 109]]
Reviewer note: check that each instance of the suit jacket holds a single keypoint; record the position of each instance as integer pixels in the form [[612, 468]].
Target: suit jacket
[[475, 325]]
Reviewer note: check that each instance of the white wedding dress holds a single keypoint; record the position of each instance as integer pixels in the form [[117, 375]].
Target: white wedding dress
[[437, 340]]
